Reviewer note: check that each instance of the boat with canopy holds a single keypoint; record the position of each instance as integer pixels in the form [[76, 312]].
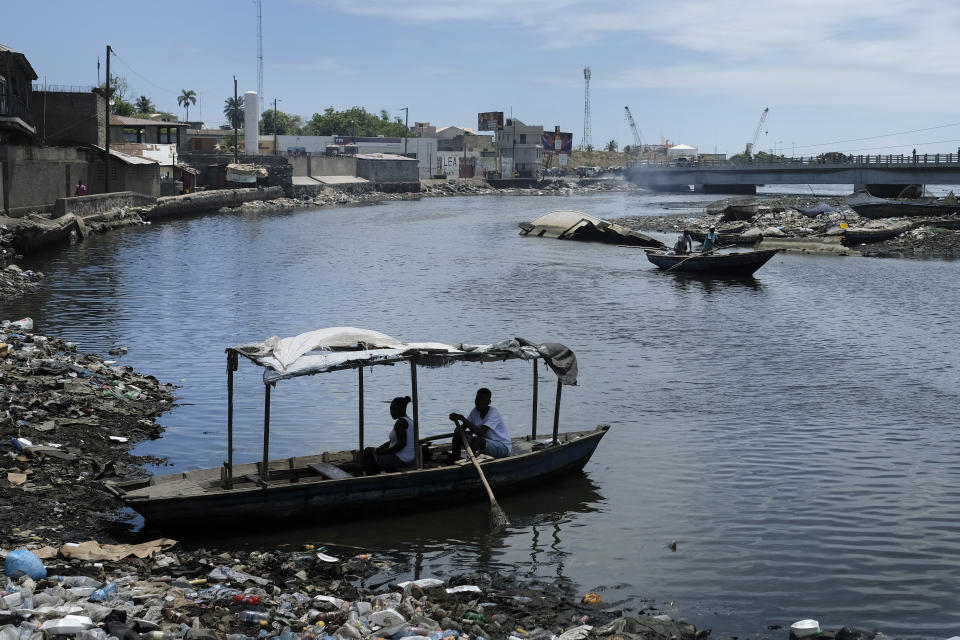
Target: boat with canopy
[[314, 486]]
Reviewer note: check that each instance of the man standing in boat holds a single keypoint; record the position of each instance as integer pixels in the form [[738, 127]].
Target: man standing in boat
[[710, 240], [484, 428]]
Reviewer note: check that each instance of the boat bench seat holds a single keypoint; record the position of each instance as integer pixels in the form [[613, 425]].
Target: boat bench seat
[[328, 470]]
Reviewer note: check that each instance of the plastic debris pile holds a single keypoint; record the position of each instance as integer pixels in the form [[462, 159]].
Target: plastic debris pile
[[325, 594], [67, 419]]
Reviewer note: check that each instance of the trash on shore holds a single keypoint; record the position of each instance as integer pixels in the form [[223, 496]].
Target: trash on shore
[[170, 594]]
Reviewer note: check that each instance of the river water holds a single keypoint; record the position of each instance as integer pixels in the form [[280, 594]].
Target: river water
[[795, 434]]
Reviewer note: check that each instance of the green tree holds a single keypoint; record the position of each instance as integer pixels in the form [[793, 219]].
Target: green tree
[[233, 110], [279, 122], [186, 98], [121, 107], [355, 121], [612, 145], [144, 105], [627, 149]]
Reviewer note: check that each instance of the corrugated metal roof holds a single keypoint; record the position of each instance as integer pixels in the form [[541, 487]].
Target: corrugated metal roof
[[125, 121], [384, 156], [127, 159], [6, 49]]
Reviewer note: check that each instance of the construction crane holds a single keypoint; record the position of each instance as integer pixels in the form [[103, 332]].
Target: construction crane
[[637, 144], [756, 133]]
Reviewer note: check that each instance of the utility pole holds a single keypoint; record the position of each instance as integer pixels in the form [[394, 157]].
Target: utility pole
[[106, 161], [275, 122], [406, 127], [234, 118]]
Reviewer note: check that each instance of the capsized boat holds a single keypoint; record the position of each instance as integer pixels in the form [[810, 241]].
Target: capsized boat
[[870, 206], [576, 225], [314, 486], [739, 263]]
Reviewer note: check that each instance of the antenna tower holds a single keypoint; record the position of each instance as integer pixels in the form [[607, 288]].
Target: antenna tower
[[586, 144], [260, 52]]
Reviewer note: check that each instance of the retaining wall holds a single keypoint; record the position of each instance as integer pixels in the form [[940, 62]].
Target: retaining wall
[[100, 203], [174, 206]]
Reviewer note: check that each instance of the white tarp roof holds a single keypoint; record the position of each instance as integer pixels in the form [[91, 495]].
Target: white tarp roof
[[349, 347]]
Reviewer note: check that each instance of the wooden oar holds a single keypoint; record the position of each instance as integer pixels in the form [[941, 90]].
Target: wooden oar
[[498, 519], [692, 255]]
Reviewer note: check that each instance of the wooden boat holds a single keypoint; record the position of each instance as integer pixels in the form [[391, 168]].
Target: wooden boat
[[576, 225], [872, 207], [315, 486], [853, 236], [739, 263]]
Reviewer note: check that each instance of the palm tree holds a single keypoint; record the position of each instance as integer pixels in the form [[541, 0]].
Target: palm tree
[[233, 110], [186, 98], [144, 105]]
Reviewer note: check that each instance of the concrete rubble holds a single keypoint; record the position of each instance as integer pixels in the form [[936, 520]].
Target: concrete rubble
[[778, 224]]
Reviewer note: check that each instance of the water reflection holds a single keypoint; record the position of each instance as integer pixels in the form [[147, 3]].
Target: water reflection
[[693, 282]]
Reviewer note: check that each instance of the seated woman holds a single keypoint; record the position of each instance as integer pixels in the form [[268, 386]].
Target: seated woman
[[399, 452]]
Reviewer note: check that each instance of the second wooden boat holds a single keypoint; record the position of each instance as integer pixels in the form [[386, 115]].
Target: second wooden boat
[[739, 263]]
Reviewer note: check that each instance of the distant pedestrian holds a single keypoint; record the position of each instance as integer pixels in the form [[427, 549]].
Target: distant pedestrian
[[914, 155], [81, 189]]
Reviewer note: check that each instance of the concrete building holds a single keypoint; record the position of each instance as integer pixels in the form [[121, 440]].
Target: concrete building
[[16, 78], [52, 139], [69, 116], [520, 149], [145, 130], [423, 149]]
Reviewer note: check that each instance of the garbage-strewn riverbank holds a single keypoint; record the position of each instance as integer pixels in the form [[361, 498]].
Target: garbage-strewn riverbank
[[839, 231], [71, 419]]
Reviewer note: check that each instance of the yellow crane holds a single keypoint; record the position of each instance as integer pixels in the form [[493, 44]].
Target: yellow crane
[[756, 133]]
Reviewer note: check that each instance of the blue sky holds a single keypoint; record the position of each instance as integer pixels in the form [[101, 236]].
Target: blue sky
[[836, 75]]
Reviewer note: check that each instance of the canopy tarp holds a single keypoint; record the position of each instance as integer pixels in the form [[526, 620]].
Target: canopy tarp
[[349, 347], [813, 212]]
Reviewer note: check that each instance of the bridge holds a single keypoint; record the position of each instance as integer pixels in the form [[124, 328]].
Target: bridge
[[885, 176]]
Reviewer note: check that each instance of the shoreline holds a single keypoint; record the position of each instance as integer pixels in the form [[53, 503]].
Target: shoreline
[[74, 420], [775, 218]]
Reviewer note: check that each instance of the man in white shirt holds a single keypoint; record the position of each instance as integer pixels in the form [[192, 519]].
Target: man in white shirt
[[484, 428]]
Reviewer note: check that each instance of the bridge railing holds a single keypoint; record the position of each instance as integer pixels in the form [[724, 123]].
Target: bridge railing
[[901, 160]]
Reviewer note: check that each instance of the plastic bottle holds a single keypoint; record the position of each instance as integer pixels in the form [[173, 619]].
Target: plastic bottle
[[176, 616], [246, 598], [254, 616], [158, 635], [104, 592], [68, 582]]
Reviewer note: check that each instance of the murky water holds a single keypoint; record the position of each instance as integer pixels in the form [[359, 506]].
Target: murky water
[[796, 434]]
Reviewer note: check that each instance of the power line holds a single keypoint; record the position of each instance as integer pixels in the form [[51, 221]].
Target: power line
[[141, 76], [885, 135]]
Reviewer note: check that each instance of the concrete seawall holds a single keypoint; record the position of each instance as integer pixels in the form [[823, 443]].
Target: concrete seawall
[[174, 206], [100, 203]]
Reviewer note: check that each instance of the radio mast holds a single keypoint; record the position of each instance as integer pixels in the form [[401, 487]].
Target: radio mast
[[586, 144], [260, 52]]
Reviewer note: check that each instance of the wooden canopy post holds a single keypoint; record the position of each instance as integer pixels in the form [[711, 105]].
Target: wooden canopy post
[[265, 470], [556, 411], [417, 454], [360, 370], [536, 391], [231, 367]]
